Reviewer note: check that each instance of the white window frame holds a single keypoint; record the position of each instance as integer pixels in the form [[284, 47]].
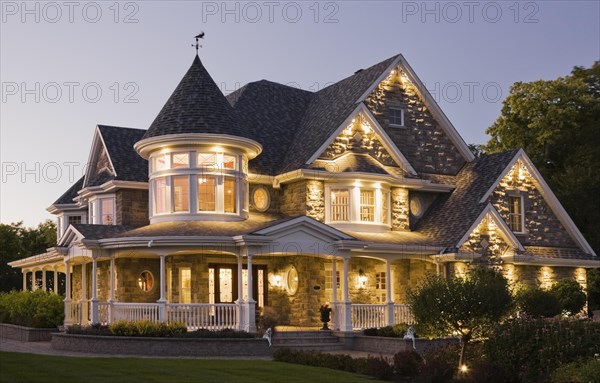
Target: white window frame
[[348, 205], [402, 112], [354, 222], [95, 209]]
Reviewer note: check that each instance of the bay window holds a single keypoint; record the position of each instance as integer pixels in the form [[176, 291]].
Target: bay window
[[354, 204], [229, 195], [181, 193], [367, 205], [340, 205], [160, 195], [206, 193]]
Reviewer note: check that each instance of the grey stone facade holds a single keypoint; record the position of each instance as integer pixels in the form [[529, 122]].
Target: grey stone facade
[[132, 207]]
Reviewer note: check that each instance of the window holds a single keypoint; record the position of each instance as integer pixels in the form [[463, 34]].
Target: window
[[185, 285], [328, 284], [396, 117], [146, 281], [160, 196], [230, 200], [228, 162], [206, 193], [107, 207], [380, 281], [180, 160], [515, 213], [261, 199], [367, 205], [207, 160], [181, 193], [340, 205], [385, 207], [73, 219], [160, 162]]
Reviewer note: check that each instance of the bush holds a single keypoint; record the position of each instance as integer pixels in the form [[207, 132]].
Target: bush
[[534, 348], [488, 372], [538, 303], [95, 329], [578, 372], [436, 371], [37, 309], [147, 328], [374, 366], [407, 363], [570, 294]]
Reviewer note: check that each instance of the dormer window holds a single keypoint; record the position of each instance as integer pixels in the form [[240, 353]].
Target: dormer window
[[358, 207], [102, 210], [340, 205], [516, 216], [396, 117], [367, 205]]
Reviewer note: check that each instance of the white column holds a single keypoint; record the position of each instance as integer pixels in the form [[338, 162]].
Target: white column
[[55, 286], [44, 280], [24, 280], [250, 302], [34, 285], [346, 324], [84, 298], [334, 296], [67, 300], [111, 282], [388, 292], [162, 302], [241, 325], [94, 301]]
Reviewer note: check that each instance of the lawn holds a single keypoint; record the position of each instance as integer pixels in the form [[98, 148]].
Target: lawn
[[18, 367]]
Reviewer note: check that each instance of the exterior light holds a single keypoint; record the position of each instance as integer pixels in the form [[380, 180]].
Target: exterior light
[[362, 279], [464, 369], [366, 129]]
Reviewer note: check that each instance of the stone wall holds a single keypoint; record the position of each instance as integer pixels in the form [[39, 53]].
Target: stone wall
[[543, 228], [422, 141], [390, 346], [293, 198], [400, 220], [275, 194], [25, 334], [128, 271], [409, 273], [199, 273], [425, 200], [315, 200], [132, 207]]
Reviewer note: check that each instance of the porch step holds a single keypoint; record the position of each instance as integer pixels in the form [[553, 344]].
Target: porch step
[[307, 340]]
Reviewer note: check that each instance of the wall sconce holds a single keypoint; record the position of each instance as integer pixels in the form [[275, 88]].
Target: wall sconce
[[362, 279], [276, 280]]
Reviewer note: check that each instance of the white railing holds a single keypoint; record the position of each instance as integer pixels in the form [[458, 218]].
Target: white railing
[[402, 314], [204, 315], [367, 316], [73, 312], [104, 313], [134, 312]]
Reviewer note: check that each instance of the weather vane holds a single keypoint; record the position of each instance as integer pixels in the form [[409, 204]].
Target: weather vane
[[200, 36]]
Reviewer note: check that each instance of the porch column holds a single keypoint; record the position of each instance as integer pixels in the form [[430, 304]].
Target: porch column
[[34, 285], [162, 302], [44, 280], [346, 324], [111, 283], [55, 286], [94, 300], [334, 299], [388, 292], [24, 280], [84, 302], [68, 318], [250, 302], [240, 293]]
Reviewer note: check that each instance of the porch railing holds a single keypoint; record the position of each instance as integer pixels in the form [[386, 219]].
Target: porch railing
[[73, 312], [201, 315], [134, 311], [104, 313], [402, 314], [367, 316]]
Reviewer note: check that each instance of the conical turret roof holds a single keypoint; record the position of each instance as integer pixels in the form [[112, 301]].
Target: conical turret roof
[[196, 106]]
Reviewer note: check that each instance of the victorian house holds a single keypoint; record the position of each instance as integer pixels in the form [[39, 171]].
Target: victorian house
[[275, 199]]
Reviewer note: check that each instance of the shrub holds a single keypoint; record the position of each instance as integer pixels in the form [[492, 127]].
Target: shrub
[[37, 309], [407, 363], [578, 372], [436, 371], [538, 303], [488, 372], [377, 367], [570, 294], [95, 329], [147, 328]]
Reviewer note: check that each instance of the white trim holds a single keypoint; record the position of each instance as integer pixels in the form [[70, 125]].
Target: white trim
[[549, 197], [323, 228], [432, 105], [505, 231], [92, 158], [382, 135]]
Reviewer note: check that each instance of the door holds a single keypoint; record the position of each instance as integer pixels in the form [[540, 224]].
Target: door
[[223, 283]]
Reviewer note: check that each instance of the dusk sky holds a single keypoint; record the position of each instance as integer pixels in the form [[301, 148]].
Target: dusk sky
[[67, 66]]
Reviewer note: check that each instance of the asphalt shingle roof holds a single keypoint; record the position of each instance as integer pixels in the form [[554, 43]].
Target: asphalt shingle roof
[[71, 193], [196, 106], [119, 142]]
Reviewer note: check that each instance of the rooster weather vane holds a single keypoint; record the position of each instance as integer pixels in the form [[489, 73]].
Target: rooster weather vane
[[199, 36]]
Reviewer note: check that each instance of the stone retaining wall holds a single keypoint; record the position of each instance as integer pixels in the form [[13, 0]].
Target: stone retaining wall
[[386, 345], [25, 334], [161, 346]]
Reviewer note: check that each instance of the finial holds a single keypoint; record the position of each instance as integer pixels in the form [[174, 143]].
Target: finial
[[200, 36]]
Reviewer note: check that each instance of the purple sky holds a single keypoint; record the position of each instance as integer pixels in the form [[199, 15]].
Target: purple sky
[[55, 57]]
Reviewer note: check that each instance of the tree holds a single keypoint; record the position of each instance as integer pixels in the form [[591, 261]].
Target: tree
[[538, 303], [570, 294], [468, 306], [17, 242], [557, 123]]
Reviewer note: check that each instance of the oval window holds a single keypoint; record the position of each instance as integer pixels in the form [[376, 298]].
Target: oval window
[[146, 281], [416, 207], [292, 280], [261, 199]]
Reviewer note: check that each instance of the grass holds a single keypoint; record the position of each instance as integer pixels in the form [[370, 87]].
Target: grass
[[19, 367]]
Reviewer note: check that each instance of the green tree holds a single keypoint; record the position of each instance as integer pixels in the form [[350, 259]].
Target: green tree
[[469, 307], [538, 303], [17, 242], [557, 123], [570, 294]]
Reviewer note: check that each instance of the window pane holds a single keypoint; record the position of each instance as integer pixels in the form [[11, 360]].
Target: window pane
[[181, 160], [340, 205], [225, 285], [160, 195], [396, 117], [229, 188], [74, 219], [160, 162], [385, 207], [367, 205], [107, 207], [207, 159], [228, 162], [185, 285], [181, 193], [515, 221], [206, 193]]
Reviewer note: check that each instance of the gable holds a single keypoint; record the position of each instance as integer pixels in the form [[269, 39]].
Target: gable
[[99, 167], [546, 221], [423, 139]]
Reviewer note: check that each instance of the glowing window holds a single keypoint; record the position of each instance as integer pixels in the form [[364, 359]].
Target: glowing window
[[160, 162], [180, 160], [340, 205], [146, 281], [228, 162], [160, 196], [229, 189], [515, 213], [367, 205], [207, 160], [206, 193], [181, 193], [107, 207], [185, 285]]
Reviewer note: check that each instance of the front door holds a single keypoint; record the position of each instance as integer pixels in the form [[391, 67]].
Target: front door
[[223, 283]]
